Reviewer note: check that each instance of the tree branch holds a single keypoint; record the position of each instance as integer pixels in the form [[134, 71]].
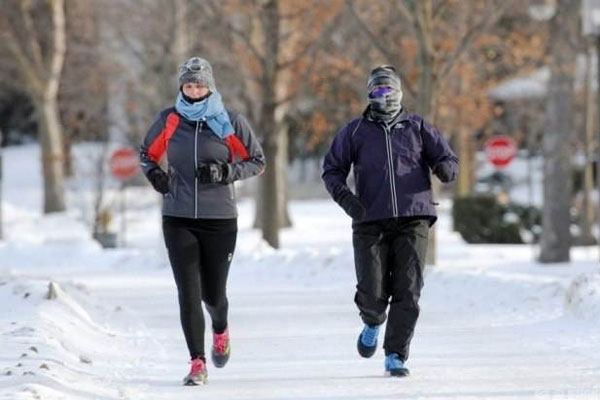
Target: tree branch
[[248, 43], [440, 8], [491, 17], [424, 25], [287, 98], [313, 44], [404, 11], [34, 44], [31, 78], [378, 45], [59, 45], [293, 15], [10, 82]]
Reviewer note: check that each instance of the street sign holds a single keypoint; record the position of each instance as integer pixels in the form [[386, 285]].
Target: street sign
[[500, 151], [124, 163]]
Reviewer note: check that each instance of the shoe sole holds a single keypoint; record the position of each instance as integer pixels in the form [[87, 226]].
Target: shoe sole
[[219, 361], [399, 373], [187, 381], [190, 382]]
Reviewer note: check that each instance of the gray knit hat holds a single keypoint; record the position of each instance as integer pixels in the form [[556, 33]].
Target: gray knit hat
[[197, 70]]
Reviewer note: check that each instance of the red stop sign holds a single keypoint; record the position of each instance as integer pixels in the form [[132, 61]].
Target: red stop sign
[[500, 150], [124, 163]]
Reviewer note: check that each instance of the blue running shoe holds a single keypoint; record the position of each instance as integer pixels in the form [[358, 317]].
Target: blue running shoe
[[367, 341], [394, 366]]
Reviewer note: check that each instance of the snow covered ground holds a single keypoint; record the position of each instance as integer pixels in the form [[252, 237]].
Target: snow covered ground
[[80, 322]]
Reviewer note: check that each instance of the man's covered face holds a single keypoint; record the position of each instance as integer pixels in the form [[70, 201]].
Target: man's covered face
[[385, 91]]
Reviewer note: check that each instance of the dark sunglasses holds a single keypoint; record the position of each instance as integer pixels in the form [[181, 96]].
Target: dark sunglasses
[[192, 68], [381, 91]]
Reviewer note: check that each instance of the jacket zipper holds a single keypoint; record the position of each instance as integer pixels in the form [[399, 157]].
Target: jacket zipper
[[196, 166], [388, 145]]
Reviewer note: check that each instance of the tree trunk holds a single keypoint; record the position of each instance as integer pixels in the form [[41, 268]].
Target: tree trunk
[[587, 206], [68, 156], [424, 101], [269, 181], [41, 75], [282, 177], [181, 43], [1, 177], [52, 154], [269, 190], [426, 91], [556, 237], [465, 151], [465, 155], [284, 219], [270, 122]]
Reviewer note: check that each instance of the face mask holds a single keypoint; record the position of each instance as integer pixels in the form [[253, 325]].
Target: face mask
[[385, 100]]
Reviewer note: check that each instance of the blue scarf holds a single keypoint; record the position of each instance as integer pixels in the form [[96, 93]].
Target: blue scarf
[[210, 109]]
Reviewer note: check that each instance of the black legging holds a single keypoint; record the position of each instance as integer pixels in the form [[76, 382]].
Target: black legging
[[200, 251]]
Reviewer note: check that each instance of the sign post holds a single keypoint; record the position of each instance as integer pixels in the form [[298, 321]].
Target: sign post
[[124, 165]]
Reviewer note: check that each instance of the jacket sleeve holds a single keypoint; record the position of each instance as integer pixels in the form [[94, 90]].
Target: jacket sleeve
[[337, 164], [149, 159], [438, 154], [247, 158]]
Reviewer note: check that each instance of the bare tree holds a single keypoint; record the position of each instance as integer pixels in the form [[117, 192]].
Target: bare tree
[[23, 24], [83, 93], [146, 41], [556, 237]]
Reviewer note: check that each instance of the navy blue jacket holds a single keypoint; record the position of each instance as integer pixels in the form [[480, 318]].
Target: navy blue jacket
[[392, 165]]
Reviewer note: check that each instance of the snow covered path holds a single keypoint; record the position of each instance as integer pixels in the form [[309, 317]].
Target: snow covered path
[[494, 324], [299, 343]]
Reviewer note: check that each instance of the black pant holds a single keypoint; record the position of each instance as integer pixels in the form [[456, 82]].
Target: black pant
[[200, 251], [389, 257]]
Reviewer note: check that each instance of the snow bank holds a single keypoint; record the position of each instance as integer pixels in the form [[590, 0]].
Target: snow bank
[[583, 296], [56, 338]]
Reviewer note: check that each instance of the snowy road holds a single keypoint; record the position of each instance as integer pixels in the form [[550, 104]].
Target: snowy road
[[494, 324]]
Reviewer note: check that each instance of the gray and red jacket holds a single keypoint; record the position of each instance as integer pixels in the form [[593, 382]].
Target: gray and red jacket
[[392, 165], [188, 143]]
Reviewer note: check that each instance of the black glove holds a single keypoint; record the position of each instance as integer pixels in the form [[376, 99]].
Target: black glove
[[444, 172], [212, 173], [353, 207], [159, 180]]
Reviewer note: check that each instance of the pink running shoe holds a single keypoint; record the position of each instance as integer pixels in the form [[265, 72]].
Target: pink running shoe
[[221, 348], [197, 375]]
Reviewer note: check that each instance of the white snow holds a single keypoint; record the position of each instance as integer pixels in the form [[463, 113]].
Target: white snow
[[494, 323], [534, 84]]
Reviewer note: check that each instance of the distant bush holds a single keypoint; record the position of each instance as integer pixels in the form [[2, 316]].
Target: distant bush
[[482, 219]]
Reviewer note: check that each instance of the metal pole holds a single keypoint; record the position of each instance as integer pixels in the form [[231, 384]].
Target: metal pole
[[123, 215]]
